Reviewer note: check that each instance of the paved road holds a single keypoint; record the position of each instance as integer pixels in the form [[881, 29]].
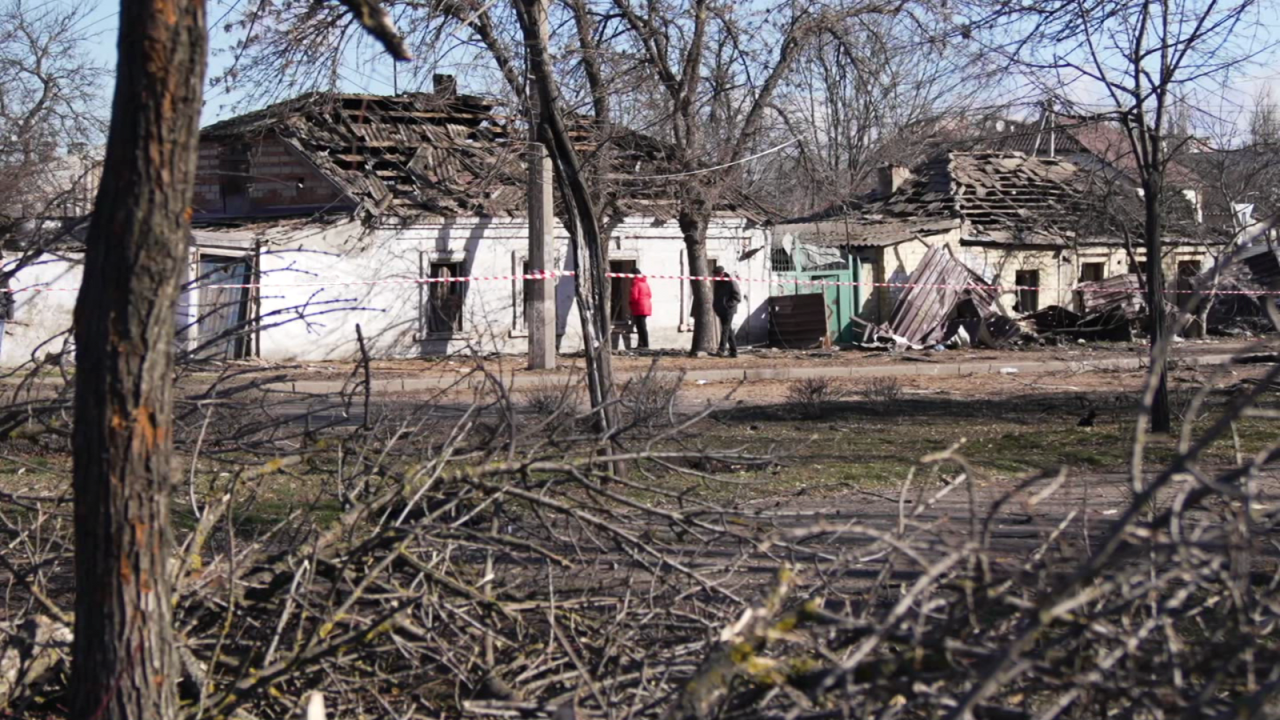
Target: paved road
[[1079, 516]]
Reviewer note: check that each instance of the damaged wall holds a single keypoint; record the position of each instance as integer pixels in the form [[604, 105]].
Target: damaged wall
[[1056, 272], [319, 281], [393, 316], [257, 175]]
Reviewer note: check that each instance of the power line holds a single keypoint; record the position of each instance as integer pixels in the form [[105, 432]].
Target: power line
[[770, 151]]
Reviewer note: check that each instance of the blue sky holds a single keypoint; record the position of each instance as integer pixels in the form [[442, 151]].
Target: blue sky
[[102, 24], [357, 76]]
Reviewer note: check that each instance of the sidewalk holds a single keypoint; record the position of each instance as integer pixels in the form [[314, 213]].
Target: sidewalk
[[516, 380]]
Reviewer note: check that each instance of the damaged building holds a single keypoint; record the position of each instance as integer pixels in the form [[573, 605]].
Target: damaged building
[[1058, 233], [334, 209]]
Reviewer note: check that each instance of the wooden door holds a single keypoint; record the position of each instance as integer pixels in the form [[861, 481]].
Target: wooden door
[[223, 311]]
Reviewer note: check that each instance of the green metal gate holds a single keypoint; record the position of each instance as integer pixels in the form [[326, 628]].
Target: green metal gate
[[842, 301]]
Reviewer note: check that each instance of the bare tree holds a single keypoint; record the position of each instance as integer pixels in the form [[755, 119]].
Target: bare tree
[[716, 69], [583, 219], [1264, 120], [868, 91], [1145, 56], [124, 660], [49, 109]]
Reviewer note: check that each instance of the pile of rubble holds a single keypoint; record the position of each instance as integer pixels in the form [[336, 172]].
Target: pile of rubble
[[1114, 309], [945, 304], [948, 305], [1237, 282]]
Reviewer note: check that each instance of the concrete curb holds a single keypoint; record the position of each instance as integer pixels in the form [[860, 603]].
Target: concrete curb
[[517, 381], [734, 375]]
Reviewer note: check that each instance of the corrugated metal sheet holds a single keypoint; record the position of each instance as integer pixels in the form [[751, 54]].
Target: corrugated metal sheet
[[937, 287], [798, 321], [1254, 268], [1121, 293]]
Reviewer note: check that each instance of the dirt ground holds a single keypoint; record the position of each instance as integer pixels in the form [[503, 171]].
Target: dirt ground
[[1008, 426], [1110, 389], [627, 362], [854, 456]]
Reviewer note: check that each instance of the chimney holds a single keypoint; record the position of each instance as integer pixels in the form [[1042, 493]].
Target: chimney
[[446, 86], [890, 178]]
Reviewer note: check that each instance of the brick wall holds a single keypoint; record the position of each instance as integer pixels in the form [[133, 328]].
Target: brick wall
[[207, 198], [245, 177]]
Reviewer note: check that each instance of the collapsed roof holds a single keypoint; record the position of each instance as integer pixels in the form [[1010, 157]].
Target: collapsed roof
[[1004, 197], [999, 194], [451, 154], [1082, 141]]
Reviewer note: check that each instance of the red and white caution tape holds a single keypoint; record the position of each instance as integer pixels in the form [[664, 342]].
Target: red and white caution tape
[[554, 274]]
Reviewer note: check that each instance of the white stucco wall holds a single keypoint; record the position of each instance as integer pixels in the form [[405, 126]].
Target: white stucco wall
[[319, 283], [41, 320]]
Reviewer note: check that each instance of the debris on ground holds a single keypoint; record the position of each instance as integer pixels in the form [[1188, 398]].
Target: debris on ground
[[1114, 310], [1121, 295], [1050, 318], [998, 331], [943, 298], [1238, 306], [948, 306]]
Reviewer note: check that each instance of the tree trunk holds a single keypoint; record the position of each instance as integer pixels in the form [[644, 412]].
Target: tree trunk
[[693, 225], [590, 252], [1161, 420], [124, 662]]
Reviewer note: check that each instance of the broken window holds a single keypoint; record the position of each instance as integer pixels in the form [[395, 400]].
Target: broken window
[[444, 299], [235, 196], [1093, 272], [782, 261], [233, 171], [1028, 282]]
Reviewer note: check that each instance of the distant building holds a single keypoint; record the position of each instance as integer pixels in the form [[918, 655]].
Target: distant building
[[1014, 219], [62, 184]]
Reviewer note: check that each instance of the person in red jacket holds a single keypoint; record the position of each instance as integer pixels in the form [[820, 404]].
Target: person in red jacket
[[641, 306]]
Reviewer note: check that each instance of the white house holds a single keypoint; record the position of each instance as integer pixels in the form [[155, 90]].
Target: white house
[[317, 281], [332, 211]]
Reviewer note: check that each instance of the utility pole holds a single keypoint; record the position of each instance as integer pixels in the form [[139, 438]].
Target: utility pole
[[540, 295]]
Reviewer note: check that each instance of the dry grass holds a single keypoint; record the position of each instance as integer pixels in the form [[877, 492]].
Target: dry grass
[[812, 397]]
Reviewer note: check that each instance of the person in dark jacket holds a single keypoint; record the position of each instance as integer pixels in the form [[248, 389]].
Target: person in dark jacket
[[725, 298], [641, 306], [6, 303]]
